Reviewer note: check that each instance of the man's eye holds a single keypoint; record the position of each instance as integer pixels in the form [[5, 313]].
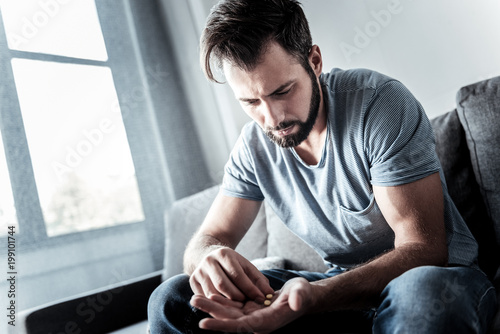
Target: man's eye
[[284, 92]]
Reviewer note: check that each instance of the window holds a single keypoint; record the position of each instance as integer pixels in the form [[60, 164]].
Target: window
[[77, 142], [57, 27], [78, 145]]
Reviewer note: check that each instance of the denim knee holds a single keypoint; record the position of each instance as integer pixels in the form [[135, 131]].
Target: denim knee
[[169, 310], [428, 299]]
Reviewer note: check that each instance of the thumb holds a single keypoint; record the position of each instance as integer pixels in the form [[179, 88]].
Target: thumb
[[295, 299], [298, 294]]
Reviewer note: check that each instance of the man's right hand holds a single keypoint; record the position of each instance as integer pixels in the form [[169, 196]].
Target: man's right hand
[[225, 272]]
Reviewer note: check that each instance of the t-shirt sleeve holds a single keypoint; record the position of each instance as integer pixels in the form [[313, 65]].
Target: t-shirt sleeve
[[398, 138], [239, 174]]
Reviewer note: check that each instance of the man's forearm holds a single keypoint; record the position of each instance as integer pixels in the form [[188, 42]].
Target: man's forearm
[[360, 288]]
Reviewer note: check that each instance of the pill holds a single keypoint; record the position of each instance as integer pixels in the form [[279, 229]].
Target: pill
[[269, 296], [267, 302]]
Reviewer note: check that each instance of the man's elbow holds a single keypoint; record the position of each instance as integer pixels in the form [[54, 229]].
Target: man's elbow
[[439, 255]]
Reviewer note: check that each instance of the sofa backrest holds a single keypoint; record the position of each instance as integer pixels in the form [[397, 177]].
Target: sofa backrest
[[468, 145], [453, 152], [478, 107]]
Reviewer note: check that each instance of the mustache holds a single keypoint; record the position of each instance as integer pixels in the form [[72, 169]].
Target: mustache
[[283, 125]]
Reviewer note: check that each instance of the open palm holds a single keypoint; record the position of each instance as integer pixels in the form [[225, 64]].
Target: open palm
[[250, 316]]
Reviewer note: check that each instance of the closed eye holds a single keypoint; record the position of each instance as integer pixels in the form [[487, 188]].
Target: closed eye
[[249, 102], [282, 93]]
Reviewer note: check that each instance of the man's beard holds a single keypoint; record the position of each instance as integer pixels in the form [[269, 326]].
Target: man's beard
[[305, 128]]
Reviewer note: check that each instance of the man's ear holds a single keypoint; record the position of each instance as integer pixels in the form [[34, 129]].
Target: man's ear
[[316, 60]]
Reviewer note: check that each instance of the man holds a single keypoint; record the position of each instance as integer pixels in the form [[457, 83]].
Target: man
[[346, 159]]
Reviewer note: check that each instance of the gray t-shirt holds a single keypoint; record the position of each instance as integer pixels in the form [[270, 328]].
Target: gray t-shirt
[[377, 134]]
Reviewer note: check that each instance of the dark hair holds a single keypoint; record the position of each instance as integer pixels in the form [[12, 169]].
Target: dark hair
[[239, 30]]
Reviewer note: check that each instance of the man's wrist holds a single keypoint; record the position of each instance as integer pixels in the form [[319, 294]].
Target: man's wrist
[[316, 298]]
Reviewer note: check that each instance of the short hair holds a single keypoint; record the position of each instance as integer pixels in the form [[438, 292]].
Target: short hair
[[238, 31]]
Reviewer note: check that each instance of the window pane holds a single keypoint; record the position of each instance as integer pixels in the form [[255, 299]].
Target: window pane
[[78, 146], [7, 208], [65, 28]]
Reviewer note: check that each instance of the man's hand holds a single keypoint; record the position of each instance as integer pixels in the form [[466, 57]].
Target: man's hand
[[225, 272], [288, 304]]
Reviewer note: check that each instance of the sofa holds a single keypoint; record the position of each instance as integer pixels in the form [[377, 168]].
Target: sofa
[[468, 146]]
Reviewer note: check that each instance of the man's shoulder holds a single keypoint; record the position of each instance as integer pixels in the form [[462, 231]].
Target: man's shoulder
[[252, 136], [251, 131], [338, 80]]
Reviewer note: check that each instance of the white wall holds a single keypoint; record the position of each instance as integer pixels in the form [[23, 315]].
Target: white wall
[[433, 47]]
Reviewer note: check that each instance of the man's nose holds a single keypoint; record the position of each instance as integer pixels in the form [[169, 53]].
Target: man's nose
[[273, 114]]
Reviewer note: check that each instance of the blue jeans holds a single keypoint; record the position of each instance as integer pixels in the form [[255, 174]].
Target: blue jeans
[[422, 300]]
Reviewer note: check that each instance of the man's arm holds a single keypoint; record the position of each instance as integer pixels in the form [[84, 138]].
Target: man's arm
[[415, 213], [210, 260]]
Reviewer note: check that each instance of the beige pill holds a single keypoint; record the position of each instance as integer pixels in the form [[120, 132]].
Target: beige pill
[[267, 302], [269, 296]]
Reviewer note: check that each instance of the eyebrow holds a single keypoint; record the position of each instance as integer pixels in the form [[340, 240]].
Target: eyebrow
[[276, 91]]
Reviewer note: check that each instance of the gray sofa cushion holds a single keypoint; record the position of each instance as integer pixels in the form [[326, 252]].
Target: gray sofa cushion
[[478, 108], [452, 150]]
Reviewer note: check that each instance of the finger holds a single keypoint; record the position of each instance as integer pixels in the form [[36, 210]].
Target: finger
[[201, 284], [227, 325], [195, 286], [226, 301], [259, 280], [212, 280], [249, 280], [262, 282], [244, 284], [215, 309], [249, 323], [217, 280], [295, 300], [226, 286], [296, 291]]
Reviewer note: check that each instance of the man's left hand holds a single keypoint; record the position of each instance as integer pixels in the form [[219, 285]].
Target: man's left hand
[[288, 304]]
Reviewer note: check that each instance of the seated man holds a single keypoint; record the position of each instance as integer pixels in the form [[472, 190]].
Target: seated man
[[347, 160]]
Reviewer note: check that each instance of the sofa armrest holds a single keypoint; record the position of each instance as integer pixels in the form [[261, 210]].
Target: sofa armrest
[[182, 220], [98, 311]]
